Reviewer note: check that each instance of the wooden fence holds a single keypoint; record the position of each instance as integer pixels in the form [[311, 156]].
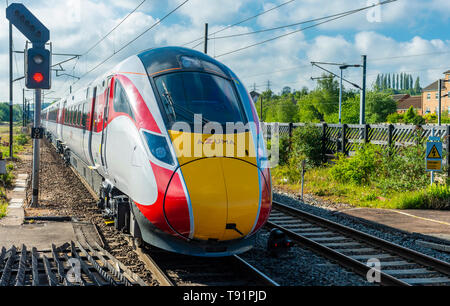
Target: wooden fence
[[345, 138]]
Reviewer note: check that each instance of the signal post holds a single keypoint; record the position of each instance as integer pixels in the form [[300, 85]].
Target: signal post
[[37, 74]]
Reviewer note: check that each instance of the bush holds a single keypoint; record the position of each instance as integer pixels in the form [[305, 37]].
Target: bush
[[356, 169], [307, 144], [22, 139], [7, 179], [284, 150]]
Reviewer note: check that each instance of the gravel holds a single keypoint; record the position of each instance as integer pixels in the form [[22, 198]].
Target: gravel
[[62, 194], [299, 267], [329, 211]]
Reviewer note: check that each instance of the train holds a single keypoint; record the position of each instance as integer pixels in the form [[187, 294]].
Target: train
[[173, 140]]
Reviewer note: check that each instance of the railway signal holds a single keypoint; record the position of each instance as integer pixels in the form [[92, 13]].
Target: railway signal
[[37, 73], [37, 68]]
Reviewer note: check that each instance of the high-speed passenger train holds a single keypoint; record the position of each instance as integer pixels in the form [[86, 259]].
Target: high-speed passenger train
[[155, 182]]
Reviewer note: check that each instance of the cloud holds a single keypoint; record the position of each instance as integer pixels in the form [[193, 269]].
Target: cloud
[[404, 30]]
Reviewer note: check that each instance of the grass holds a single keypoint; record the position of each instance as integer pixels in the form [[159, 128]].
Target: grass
[[21, 141], [318, 182], [3, 209]]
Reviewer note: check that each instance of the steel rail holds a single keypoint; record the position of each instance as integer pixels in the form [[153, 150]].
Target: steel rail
[[363, 238], [260, 275]]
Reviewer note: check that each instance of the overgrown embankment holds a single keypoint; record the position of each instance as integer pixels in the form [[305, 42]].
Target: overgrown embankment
[[374, 177], [20, 142]]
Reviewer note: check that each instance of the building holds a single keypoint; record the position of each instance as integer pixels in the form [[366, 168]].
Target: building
[[405, 104], [405, 101], [430, 96]]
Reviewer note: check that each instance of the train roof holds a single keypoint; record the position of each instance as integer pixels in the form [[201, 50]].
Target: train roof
[[160, 60]]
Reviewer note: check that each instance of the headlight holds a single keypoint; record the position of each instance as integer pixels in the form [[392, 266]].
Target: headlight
[[159, 148]]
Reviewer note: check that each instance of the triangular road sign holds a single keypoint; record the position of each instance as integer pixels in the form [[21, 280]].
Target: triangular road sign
[[434, 153]]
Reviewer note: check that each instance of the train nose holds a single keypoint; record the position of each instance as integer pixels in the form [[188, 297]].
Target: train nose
[[224, 196]]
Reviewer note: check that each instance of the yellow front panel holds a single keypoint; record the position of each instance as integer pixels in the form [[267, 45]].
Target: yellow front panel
[[222, 182], [241, 180], [206, 188], [192, 146]]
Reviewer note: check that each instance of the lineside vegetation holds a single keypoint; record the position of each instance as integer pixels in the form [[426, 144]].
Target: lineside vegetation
[[374, 177]]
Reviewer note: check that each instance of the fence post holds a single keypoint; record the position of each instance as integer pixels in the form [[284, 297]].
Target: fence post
[[366, 133], [291, 126], [324, 142], [344, 138], [448, 150], [390, 132]]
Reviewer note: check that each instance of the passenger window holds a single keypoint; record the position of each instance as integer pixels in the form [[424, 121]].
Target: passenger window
[[83, 116], [79, 115], [121, 103]]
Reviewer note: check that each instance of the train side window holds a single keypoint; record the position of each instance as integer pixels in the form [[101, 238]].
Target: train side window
[[80, 114], [121, 102], [76, 115], [84, 112]]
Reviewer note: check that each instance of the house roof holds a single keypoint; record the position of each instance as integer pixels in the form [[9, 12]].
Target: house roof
[[399, 97], [434, 86], [447, 72], [414, 101]]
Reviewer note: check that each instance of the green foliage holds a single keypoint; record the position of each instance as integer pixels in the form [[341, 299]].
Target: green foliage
[[8, 178], [386, 169], [283, 149], [22, 139], [4, 112], [356, 169], [399, 83], [394, 118], [3, 209], [433, 197], [378, 106], [307, 144]]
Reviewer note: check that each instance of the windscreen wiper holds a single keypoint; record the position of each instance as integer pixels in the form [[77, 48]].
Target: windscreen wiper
[[168, 96]]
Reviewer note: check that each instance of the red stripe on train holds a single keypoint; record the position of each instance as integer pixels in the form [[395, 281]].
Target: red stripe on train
[[172, 205]]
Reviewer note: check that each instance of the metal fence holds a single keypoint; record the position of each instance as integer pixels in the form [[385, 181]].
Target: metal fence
[[345, 138]]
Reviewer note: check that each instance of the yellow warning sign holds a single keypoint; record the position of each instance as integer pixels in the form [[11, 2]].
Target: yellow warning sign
[[434, 153], [434, 164]]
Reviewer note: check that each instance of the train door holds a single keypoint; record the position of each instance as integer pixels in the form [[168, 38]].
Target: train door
[[90, 126], [104, 127]]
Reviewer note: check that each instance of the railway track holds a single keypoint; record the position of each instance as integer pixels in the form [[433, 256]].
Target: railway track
[[180, 270], [73, 264], [353, 249]]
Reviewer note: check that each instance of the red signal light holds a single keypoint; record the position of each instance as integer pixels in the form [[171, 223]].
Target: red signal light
[[38, 77]]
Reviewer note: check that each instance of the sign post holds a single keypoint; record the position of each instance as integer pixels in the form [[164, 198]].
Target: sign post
[[433, 156], [37, 74]]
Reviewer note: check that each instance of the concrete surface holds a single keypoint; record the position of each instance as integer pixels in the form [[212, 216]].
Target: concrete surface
[[428, 222], [39, 235], [15, 213]]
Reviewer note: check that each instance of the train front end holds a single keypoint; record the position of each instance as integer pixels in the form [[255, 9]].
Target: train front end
[[210, 164]]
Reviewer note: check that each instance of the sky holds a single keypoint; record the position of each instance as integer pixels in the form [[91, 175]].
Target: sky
[[409, 36]]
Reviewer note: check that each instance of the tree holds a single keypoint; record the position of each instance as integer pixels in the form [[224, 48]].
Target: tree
[[325, 98], [378, 106], [286, 110], [417, 88], [286, 90]]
